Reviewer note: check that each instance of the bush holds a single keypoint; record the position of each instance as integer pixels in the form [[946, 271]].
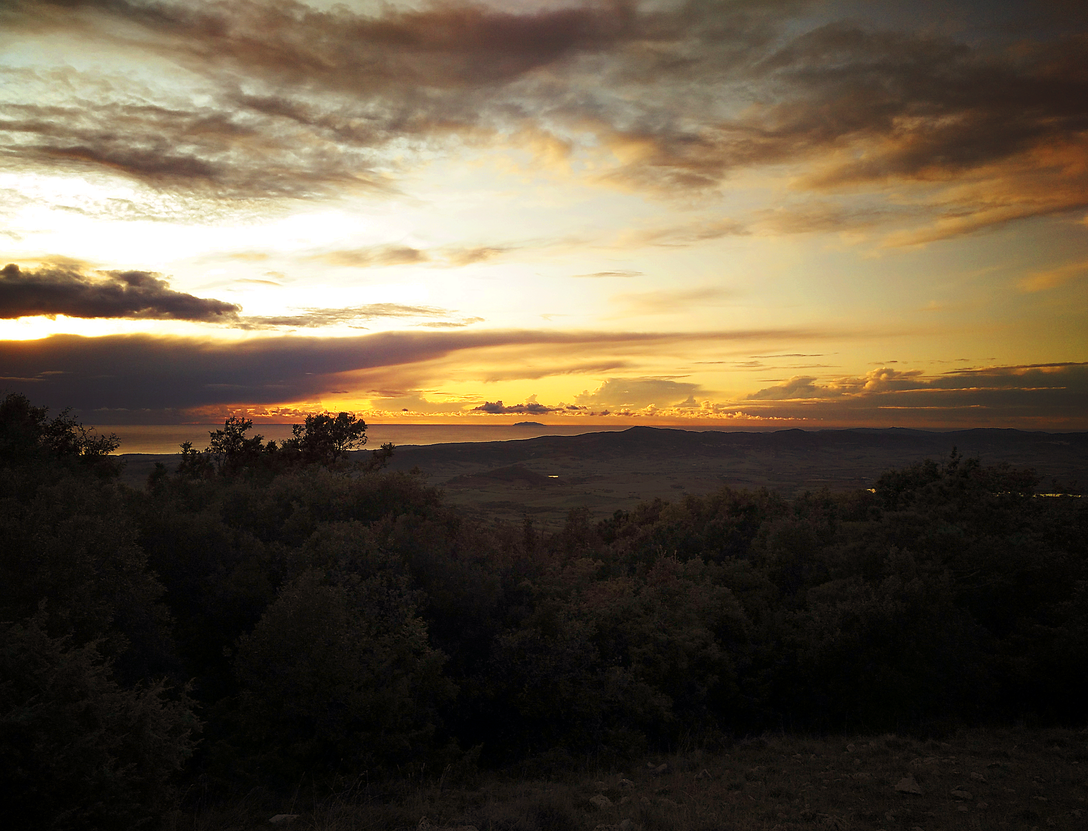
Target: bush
[[76, 749], [70, 543], [337, 678]]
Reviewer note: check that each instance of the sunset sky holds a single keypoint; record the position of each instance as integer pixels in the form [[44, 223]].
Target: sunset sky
[[717, 213]]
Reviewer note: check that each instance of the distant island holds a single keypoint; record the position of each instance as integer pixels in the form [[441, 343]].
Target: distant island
[[529, 424]]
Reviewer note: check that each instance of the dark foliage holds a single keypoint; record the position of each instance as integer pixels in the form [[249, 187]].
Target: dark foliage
[[336, 619], [77, 749], [28, 438], [322, 439]]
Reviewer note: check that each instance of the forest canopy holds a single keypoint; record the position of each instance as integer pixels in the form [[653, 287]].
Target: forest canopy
[[271, 612]]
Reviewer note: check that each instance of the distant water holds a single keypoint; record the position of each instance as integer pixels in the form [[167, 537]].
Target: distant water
[[167, 438]]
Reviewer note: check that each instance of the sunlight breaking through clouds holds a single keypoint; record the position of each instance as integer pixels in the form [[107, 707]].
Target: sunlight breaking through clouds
[[698, 185]]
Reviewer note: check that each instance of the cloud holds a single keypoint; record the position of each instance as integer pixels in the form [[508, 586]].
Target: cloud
[[144, 372], [175, 146], [885, 379], [823, 216], [791, 355], [879, 380], [299, 98], [375, 257], [254, 281], [801, 386], [470, 256], [285, 100], [66, 288], [530, 407], [619, 396], [667, 301], [144, 376], [935, 105], [391, 255], [1037, 396], [553, 363], [674, 236], [138, 372], [452, 324], [394, 403], [318, 318], [638, 393], [1054, 277], [620, 273], [112, 294]]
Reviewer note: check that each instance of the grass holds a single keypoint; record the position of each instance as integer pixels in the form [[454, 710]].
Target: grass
[[1015, 778]]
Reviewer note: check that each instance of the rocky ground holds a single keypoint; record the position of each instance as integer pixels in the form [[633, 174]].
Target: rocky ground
[[971, 779]]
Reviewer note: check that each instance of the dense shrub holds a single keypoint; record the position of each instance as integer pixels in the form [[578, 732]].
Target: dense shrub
[[949, 593], [337, 677], [70, 544], [77, 750], [335, 619]]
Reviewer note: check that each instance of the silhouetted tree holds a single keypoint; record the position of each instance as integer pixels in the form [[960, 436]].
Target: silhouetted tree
[[324, 438], [28, 435], [321, 440], [231, 450]]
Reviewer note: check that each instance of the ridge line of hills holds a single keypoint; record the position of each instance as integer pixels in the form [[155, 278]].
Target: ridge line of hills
[[547, 476], [993, 445]]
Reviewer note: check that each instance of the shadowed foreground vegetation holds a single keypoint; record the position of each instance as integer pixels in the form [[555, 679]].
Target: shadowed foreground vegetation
[[974, 779], [287, 627]]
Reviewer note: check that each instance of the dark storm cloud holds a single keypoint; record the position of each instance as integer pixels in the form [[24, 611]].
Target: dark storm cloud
[[151, 163], [302, 94], [442, 45], [1070, 377], [143, 372], [938, 105], [1030, 378], [304, 100], [180, 147], [111, 294], [1030, 393]]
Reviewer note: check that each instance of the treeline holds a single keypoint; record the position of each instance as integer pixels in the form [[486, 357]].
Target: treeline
[[243, 624]]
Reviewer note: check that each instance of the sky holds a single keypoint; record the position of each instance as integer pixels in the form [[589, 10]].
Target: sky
[[718, 213]]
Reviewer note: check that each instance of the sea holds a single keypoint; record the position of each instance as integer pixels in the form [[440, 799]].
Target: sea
[[164, 439]]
